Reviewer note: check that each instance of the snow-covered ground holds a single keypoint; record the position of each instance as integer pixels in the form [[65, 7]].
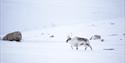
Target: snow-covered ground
[[38, 47], [46, 24]]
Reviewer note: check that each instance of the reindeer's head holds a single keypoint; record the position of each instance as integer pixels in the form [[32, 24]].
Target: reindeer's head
[[69, 38]]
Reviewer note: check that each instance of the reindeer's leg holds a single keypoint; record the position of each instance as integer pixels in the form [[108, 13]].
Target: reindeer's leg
[[89, 46], [85, 48], [71, 47], [76, 46]]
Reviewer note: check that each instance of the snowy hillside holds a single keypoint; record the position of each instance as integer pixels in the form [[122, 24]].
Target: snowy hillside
[[24, 15], [49, 46]]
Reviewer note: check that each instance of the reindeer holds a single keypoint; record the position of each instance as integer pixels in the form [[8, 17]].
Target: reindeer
[[78, 41]]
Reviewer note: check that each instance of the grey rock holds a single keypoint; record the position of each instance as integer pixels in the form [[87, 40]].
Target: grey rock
[[14, 36], [95, 37]]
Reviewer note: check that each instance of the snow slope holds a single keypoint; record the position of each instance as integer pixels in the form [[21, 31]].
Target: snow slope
[[25, 15], [38, 47]]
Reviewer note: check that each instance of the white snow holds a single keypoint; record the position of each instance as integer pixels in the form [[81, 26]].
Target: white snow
[[38, 20], [38, 47]]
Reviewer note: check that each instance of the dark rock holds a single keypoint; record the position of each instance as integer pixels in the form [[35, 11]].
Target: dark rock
[[112, 23], [14, 36], [124, 34], [52, 36], [113, 34], [95, 37], [93, 25], [110, 49], [42, 33]]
